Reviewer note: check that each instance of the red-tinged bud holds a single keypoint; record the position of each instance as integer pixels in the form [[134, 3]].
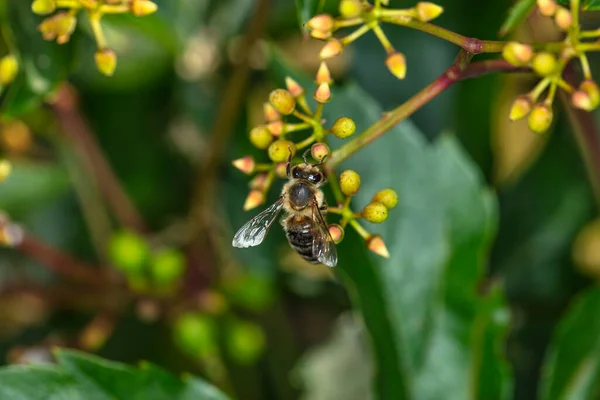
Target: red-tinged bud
[[350, 8], [376, 245], [331, 49], [320, 35], [293, 87], [323, 93], [245, 164], [319, 151], [396, 63], [547, 7], [563, 18], [255, 198], [591, 88], [281, 169], [321, 22], [260, 137], [283, 101], [581, 100], [427, 11], [568, 52], [323, 74], [141, 8], [106, 61], [520, 108], [540, 118], [544, 63], [336, 232], [270, 113], [259, 181], [43, 7], [275, 127], [517, 54]]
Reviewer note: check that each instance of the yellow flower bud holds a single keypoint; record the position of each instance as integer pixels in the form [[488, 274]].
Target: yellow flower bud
[[350, 8], [563, 18], [544, 63], [331, 49], [279, 150], [517, 54], [336, 232], [387, 197], [376, 245], [260, 137], [141, 8], [343, 127], [349, 182], [319, 151], [283, 101], [43, 7], [547, 7], [323, 93], [375, 213], [520, 108], [427, 11], [60, 26], [323, 74], [321, 22], [591, 88], [540, 118], [9, 68], [396, 63], [106, 61]]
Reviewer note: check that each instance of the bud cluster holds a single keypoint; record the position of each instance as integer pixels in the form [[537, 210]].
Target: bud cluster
[[368, 17], [288, 116], [60, 25]]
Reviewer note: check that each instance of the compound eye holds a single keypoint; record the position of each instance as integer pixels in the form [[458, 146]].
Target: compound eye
[[314, 178], [296, 173]]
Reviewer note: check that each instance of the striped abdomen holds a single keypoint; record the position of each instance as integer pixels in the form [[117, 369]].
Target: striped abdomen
[[299, 231]]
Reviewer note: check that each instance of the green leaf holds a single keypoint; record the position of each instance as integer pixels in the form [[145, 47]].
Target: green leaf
[[572, 368], [432, 334], [43, 65], [308, 8], [516, 15], [588, 5], [81, 376]]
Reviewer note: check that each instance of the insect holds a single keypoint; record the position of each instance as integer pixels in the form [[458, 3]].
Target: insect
[[303, 223]]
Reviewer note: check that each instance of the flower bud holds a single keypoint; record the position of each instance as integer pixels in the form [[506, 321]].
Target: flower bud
[[320, 35], [427, 11], [141, 8], [520, 108], [343, 127], [11, 234], [245, 341], [260, 137], [9, 68], [331, 49], [276, 127], [396, 63], [547, 7], [591, 88], [270, 113], [581, 100], [245, 164], [375, 212], [387, 197], [259, 181], [60, 26], [544, 63], [319, 151], [43, 7], [323, 74], [323, 93], [336, 232], [517, 54], [321, 22], [281, 169], [106, 61], [540, 118], [5, 169], [212, 302], [167, 266], [128, 252], [293, 87], [283, 101], [350, 8], [254, 199], [349, 182], [563, 18], [279, 150], [376, 245], [196, 334]]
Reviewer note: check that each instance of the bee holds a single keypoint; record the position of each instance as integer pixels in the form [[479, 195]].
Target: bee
[[304, 205]]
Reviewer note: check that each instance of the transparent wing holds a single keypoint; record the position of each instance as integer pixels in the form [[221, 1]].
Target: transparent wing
[[323, 244], [255, 230]]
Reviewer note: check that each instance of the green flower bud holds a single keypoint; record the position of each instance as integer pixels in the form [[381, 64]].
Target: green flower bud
[[196, 334], [375, 213], [540, 118], [167, 266], [283, 101], [343, 127], [245, 341], [544, 63], [128, 252], [387, 197], [279, 150], [260, 137], [349, 182]]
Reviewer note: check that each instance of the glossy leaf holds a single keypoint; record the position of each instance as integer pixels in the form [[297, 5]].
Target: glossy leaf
[[516, 15], [81, 376], [572, 369], [430, 328]]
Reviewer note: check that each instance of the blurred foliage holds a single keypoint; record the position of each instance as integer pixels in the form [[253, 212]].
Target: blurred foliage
[[483, 297]]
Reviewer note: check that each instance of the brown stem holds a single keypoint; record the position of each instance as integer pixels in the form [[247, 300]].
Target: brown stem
[[77, 130]]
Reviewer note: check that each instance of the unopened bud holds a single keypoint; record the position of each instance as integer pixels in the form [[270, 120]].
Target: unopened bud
[[5, 169], [11, 234], [396, 63], [540, 118], [343, 127], [323, 74], [349, 182], [563, 18], [9, 68], [336, 232], [281, 169], [331, 49], [245, 164], [254, 199], [321, 22], [591, 88], [319, 151], [320, 35], [140, 8], [375, 212], [60, 26], [260, 137], [270, 113], [387, 197], [293, 87], [323, 93], [279, 150], [581, 100], [350, 8], [517, 54], [544, 63], [520, 108], [427, 11], [276, 127], [547, 7], [106, 61], [283, 101], [376, 245], [43, 7], [259, 181]]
